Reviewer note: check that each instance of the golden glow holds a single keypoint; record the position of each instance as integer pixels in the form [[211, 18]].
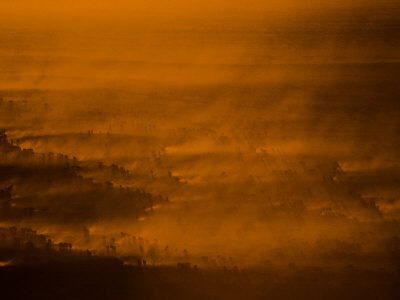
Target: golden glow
[[236, 134]]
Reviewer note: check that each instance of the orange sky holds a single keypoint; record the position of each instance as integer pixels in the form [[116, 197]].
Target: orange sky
[[221, 8], [251, 107]]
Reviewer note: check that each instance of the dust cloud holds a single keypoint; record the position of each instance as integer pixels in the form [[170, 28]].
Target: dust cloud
[[218, 135]]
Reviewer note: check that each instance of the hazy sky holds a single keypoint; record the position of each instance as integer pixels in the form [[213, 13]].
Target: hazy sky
[[263, 122], [176, 8]]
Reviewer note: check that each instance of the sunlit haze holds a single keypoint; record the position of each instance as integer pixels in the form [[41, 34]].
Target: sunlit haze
[[200, 150]]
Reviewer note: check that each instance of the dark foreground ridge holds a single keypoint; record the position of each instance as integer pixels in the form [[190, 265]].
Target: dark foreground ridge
[[108, 278]]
